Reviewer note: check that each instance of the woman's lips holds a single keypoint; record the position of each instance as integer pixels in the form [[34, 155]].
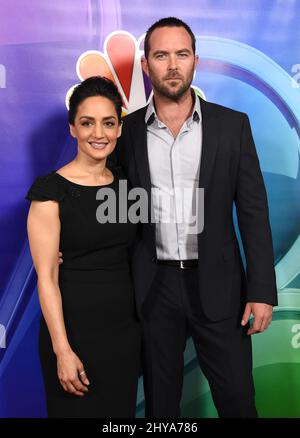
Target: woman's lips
[[98, 145]]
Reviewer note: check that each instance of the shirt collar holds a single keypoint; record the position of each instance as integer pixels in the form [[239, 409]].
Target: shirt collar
[[151, 115]]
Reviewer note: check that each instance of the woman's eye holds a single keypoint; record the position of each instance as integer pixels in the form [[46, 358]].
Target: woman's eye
[[86, 123], [110, 124]]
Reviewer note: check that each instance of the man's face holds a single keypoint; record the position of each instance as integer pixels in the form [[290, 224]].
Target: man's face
[[171, 62]]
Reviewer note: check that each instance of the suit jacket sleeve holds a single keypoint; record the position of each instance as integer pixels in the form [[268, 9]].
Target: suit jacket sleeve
[[118, 156], [253, 219], [114, 160]]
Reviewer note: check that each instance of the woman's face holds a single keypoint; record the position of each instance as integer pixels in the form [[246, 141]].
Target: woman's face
[[96, 127]]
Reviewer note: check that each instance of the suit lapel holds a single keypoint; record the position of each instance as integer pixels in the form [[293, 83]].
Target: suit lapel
[[210, 142], [139, 135]]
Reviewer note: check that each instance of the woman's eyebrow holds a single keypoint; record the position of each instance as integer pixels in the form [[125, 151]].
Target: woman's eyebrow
[[93, 118]]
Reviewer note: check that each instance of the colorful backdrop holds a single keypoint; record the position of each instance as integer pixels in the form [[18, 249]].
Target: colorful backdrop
[[249, 60]]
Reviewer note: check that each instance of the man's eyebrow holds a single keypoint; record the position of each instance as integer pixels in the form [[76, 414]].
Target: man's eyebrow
[[164, 52], [159, 52], [184, 50]]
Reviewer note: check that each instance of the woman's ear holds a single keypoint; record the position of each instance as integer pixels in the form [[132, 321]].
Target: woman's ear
[[120, 130], [72, 130]]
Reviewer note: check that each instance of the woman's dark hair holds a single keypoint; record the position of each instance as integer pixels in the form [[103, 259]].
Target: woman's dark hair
[[94, 86], [167, 22]]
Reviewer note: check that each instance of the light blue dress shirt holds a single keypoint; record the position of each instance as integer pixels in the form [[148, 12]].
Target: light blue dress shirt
[[174, 170]]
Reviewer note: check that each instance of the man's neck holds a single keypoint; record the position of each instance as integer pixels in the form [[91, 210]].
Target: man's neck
[[173, 113], [168, 109]]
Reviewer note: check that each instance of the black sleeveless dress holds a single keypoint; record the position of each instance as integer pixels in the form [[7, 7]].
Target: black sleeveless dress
[[98, 302]]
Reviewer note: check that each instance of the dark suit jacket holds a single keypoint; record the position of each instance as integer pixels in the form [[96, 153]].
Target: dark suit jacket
[[230, 174]]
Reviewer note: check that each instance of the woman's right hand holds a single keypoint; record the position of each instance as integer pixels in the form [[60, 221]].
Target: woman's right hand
[[71, 373]]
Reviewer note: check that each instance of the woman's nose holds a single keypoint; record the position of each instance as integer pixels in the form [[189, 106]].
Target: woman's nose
[[98, 130]]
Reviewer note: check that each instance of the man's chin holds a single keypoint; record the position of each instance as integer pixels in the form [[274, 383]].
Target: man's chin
[[174, 94]]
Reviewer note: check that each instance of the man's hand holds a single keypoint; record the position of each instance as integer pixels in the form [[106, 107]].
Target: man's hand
[[60, 259], [262, 314]]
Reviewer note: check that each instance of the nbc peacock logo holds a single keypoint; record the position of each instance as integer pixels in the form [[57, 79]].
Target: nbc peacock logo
[[120, 61]]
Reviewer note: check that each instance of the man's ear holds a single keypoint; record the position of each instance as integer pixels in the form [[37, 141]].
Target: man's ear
[[145, 65], [196, 62], [72, 130]]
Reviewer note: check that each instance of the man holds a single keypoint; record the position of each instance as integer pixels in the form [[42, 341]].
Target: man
[[189, 283]]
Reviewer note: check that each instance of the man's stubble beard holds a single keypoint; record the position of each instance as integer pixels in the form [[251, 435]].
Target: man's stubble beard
[[161, 89]]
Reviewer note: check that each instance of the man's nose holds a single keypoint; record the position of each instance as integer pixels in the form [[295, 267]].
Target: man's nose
[[172, 62]]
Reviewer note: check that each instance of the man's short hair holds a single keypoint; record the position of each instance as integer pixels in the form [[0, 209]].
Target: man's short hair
[[167, 22]]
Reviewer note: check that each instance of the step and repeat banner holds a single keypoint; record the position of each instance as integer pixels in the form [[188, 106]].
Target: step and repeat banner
[[249, 60]]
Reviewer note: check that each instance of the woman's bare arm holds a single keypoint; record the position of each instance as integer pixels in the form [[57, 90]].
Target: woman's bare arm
[[44, 234]]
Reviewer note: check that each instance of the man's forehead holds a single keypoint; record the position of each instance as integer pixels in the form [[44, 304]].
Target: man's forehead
[[170, 37], [168, 31]]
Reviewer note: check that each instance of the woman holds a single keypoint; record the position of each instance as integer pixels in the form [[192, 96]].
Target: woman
[[89, 339]]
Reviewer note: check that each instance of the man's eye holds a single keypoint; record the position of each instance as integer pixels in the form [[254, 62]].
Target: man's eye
[[182, 55], [160, 56]]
